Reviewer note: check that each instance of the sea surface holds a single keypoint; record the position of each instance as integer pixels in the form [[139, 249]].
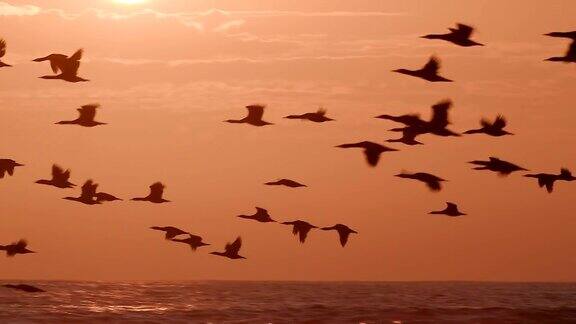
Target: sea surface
[[289, 302]]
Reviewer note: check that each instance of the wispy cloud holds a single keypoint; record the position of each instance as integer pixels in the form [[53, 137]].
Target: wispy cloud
[[7, 9]]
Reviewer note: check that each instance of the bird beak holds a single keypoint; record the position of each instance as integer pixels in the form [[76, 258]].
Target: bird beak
[[18, 164]]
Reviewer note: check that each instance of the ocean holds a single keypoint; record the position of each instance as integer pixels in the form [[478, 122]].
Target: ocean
[[289, 302]]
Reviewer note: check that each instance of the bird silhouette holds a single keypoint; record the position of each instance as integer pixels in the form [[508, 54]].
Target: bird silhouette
[[68, 66], [570, 56], [433, 182], [450, 210], [103, 196], [409, 135], [7, 166], [547, 180], [415, 125], [254, 117], [372, 151], [503, 168], [194, 241], [300, 228], [495, 128], [170, 231], [286, 183], [3, 52], [88, 194], [59, 178], [459, 36], [429, 72], [155, 195], [317, 117], [261, 216], [25, 288], [86, 118], [343, 232], [439, 122], [19, 247], [231, 250]]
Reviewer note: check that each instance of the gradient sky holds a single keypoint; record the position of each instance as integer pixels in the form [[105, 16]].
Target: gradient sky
[[167, 72]]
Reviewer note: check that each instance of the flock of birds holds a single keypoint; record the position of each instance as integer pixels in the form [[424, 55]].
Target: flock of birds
[[66, 68]]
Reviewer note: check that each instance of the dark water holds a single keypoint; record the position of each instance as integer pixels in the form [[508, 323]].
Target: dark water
[[291, 302]]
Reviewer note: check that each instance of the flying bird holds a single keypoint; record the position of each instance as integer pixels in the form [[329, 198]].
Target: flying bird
[[433, 182], [495, 128], [261, 216], [59, 178], [19, 247], [503, 168], [300, 228], [25, 288], [429, 72], [409, 135], [86, 118], [547, 180], [450, 210], [410, 120], [459, 36], [317, 117], [440, 120], [7, 166], [415, 125], [88, 194], [194, 241], [231, 250], [254, 117], [155, 195], [286, 183], [68, 66], [372, 151], [570, 56], [170, 231], [3, 52], [343, 232]]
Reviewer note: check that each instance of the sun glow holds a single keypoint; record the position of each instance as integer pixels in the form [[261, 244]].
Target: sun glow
[[130, 2]]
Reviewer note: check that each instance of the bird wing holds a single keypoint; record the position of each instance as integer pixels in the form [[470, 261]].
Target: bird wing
[[432, 66], [157, 190], [2, 47], [70, 68], [549, 185], [372, 156], [255, 111], [21, 244], [464, 31], [303, 233], [343, 237], [89, 189], [58, 172], [234, 248], [88, 112], [434, 185], [321, 111], [565, 172], [572, 50], [440, 114], [500, 122], [77, 56]]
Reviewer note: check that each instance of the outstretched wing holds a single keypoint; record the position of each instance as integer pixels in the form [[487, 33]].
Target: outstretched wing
[[59, 174], [432, 66], [2, 47], [321, 111], [88, 112], [234, 248], [343, 237], [89, 189], [500, 122], [440, 114], [303, 233], [255, 111], [70, 68], [157, 190], [463, 31], [372, 156], [77, 56]]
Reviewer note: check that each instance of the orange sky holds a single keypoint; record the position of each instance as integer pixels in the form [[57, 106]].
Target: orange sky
[[168, 72]]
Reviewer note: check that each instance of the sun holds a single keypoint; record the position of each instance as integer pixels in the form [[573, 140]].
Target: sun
[[130, 2]]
